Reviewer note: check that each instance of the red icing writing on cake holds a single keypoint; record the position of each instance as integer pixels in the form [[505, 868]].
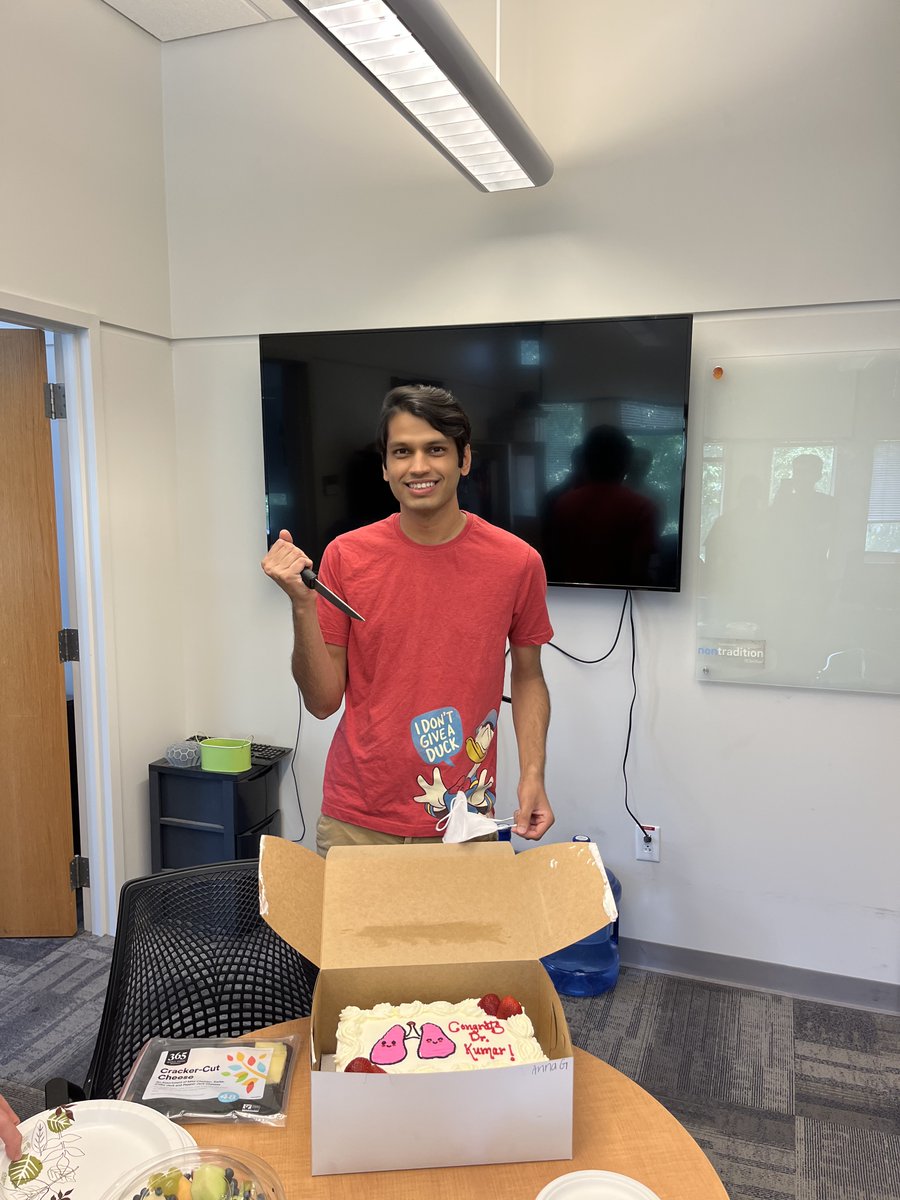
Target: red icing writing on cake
[[489, 1051], [475, 1031], [432, 1042]]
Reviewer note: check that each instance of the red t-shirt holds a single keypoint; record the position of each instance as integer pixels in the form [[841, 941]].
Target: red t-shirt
[[425, 671]]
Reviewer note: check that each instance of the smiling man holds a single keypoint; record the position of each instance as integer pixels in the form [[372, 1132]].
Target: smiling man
[[442, 592]]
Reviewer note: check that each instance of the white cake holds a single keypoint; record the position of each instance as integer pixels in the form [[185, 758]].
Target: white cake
[[440, 1036]]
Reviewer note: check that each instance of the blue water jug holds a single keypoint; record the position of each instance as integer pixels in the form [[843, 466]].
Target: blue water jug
[[590, 966]]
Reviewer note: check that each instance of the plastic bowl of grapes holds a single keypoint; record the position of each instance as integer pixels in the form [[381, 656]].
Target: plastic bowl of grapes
[[200, 1174]]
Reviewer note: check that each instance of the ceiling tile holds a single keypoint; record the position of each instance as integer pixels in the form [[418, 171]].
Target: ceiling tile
[[169, 20], [274, 9]]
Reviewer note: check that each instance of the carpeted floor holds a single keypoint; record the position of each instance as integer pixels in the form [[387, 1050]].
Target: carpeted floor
[[790, 1099], [51, 997]]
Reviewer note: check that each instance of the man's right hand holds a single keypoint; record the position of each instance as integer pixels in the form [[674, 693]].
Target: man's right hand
[[283, 563]]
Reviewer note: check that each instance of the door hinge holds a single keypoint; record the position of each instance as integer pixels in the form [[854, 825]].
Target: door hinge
[[79, 872], [68, 645], [54, 401]]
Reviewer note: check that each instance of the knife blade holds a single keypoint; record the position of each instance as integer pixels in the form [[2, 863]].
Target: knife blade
[[312, 581]]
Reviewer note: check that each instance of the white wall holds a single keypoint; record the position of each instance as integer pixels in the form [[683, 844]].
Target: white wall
[[82, 207], [237, 625], [707, 157], [143, 553], [83, 226], [712, 158]]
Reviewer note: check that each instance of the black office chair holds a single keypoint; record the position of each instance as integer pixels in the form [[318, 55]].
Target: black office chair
[[193, 958]]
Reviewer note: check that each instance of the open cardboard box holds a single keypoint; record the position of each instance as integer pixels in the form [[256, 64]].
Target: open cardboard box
[[436, 922]]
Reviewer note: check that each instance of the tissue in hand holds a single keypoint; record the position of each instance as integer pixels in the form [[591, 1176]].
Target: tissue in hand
[[461, 825]]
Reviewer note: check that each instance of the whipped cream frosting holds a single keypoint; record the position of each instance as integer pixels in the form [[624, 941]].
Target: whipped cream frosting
[[439, 1036]]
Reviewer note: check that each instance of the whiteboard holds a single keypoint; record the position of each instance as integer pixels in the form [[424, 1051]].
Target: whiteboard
[[799, 578]]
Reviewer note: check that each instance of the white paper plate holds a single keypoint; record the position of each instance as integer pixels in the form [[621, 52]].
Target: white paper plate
[[595, 1185], [85, 1148]]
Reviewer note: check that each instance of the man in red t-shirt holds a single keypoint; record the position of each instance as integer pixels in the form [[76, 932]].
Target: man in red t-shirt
[[421, 680]]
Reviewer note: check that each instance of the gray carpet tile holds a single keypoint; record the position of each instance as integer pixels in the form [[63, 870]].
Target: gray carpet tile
[[750, 1171], [753, 1151], [618, 1026], [750, 1126], [847, 1066], [846, 1162], [51, 997], [851, 1028], [724, 1044], [790, 1099], [679, 1037], [847, 1086]]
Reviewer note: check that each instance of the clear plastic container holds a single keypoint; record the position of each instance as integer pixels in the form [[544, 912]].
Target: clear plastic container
[[591, 966], [200, 1174]]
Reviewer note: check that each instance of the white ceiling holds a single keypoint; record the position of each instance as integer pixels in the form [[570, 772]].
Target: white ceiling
[[169, 20]]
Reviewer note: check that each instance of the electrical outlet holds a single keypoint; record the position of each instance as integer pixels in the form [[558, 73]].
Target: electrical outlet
[[644, 850]]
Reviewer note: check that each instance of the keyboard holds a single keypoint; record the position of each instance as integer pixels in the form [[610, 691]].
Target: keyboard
[[261, 754]]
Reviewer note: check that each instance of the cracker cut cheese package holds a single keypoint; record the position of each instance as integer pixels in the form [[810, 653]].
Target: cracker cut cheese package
[[214, 1079]]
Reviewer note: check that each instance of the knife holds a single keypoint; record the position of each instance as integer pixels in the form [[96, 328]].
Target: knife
[[312, 581]]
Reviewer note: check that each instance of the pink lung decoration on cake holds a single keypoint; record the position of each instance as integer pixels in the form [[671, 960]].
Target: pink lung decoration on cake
[[390, 1048], [434, 1043]]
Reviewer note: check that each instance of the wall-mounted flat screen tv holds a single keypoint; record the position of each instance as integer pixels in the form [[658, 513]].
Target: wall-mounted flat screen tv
[[578, 436]]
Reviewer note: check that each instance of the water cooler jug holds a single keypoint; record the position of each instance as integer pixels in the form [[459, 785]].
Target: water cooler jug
[[590, 966]]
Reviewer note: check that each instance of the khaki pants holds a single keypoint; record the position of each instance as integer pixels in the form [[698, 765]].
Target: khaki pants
[[332, 832]]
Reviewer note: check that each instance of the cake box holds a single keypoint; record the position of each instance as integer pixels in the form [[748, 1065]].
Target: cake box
[[436, 922]]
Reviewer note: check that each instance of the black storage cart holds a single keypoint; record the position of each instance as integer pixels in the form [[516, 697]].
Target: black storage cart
[[199, 817]]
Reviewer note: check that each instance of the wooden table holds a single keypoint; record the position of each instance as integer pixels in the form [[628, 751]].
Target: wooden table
[[618, 1127]]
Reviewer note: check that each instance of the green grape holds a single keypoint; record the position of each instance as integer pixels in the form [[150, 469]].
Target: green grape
[[209, 1183]]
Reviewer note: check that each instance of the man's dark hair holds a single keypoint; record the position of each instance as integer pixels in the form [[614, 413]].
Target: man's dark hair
[[435, 405]]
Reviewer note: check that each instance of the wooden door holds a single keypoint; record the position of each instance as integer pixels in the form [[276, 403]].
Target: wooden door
[[36, 899]]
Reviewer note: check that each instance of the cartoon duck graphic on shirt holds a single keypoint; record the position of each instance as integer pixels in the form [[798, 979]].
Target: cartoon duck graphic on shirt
[[437, 736]]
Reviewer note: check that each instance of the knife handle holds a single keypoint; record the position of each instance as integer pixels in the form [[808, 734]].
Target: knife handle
[[309, 577]]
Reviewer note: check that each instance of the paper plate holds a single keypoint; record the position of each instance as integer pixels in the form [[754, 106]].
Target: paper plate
[[595, 1185], [81, 1149]]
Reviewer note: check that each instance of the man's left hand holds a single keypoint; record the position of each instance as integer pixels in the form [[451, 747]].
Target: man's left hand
[[534, 816]]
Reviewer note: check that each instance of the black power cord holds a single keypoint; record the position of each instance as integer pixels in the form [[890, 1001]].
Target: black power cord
[[587, 661], [592, 661], [630, 599], [627, 603]]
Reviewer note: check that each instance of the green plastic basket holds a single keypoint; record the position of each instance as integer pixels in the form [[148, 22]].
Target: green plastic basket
[[226, 755]]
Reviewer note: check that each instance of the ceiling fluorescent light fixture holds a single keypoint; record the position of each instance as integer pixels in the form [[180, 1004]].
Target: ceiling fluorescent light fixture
[[417, 58]]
